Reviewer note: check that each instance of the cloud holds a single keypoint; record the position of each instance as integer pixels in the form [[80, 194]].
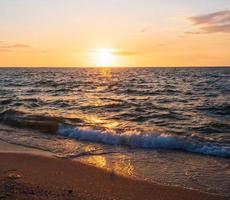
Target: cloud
[[126, 53], [217, 22], [144, 30], [8, 46], [13, 46], [212, 18], [217, 28], [117, 52], [193, 32], [158, 45]]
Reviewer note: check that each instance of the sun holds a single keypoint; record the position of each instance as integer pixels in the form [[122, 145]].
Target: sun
[[105, 57]]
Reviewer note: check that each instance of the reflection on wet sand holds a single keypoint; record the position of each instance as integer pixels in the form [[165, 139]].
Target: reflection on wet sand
[[124, 166]]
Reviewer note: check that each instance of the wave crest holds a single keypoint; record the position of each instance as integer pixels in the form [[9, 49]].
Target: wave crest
[[23, 120], [147, 141]]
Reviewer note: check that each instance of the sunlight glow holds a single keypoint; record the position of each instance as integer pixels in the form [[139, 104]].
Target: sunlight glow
[[105, 57]]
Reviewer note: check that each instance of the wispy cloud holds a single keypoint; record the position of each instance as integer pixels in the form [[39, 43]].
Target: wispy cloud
[[12, 46], [158, 45], [117, 52], [126, 53], [6, 46], [217, 22], [212, 18], [193, 32], [217, 28]]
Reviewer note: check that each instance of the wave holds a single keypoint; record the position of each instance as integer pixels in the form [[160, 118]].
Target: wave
[[5, 101], [67, 128], [147, 141], [23, 120], [219, 109], [45, 124]]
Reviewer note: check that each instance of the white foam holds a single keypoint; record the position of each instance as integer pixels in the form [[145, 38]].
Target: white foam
[[150, 141]]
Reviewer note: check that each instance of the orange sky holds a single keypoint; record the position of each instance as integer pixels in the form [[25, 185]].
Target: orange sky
[[113, 33]]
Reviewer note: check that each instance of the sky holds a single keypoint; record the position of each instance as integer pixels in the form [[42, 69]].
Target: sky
[[110, 33]]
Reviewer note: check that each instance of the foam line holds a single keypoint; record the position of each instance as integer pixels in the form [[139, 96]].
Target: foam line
[[147, 141]]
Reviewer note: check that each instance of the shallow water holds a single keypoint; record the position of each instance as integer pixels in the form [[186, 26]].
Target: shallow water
[[164, 125]]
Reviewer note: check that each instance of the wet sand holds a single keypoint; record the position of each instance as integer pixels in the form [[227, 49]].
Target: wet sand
[[34, 176]]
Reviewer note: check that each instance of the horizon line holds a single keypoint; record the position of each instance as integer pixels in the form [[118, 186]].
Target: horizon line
[[196, 66]]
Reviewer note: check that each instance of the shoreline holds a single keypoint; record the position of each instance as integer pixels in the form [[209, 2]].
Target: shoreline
[[7, 147], [26, 174]]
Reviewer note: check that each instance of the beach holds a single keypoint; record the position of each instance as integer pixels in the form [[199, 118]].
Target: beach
[[114, 100], [35, 175]]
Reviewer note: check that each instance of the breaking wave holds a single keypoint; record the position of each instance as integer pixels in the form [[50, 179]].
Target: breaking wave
[[148, 141], [63, 126]]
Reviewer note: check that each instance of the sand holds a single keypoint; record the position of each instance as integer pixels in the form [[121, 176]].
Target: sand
[[25, 176]]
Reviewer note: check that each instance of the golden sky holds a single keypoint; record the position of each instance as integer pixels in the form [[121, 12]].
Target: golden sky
[[109, 33]]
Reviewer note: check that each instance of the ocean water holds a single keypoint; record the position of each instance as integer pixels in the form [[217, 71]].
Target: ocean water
[[165, 125]]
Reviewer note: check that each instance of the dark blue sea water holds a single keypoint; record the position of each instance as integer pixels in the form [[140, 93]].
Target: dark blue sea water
[[167, 125]]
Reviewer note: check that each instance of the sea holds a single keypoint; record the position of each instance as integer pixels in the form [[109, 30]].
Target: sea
[[164, 125]]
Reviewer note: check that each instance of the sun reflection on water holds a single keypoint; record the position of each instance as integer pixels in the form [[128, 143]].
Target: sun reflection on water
[[110, 162], [99, 161]]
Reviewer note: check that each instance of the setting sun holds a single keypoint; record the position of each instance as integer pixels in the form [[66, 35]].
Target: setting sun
[[105, 57]]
